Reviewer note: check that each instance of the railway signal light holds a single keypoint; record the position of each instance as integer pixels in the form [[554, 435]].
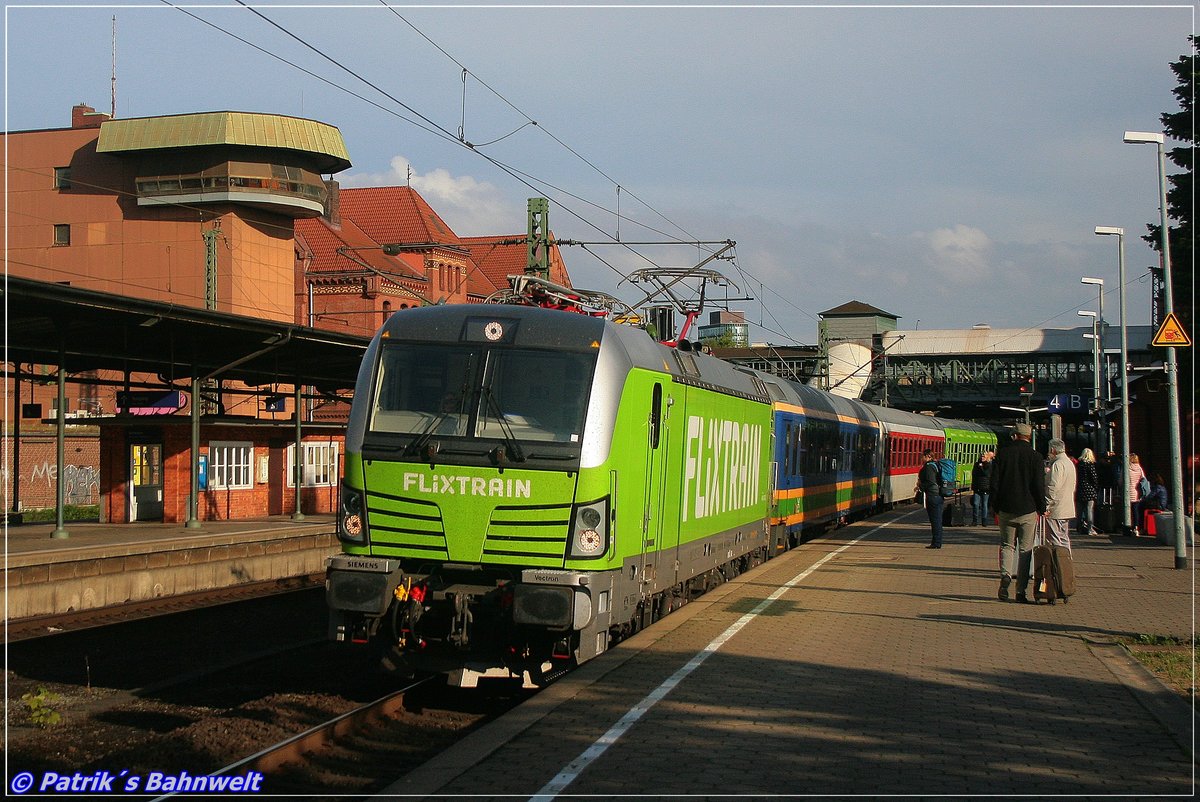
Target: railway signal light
[[1027, 387]]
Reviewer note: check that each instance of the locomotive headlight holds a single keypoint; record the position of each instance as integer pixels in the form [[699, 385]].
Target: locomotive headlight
[[351, 524], [589, 534]]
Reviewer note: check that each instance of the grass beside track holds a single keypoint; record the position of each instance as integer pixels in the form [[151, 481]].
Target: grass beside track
[[1171, 659]]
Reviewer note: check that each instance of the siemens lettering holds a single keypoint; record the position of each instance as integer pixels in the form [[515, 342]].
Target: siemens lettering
[[434, 484], [722, 466]]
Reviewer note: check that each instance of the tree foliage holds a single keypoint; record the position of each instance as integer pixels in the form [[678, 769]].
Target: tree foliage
[[725, 339], [1178, 125]]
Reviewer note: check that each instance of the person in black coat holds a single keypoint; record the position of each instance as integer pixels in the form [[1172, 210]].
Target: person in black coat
[[981, 484], [1088, 489], [1019, 496], [929, 482]]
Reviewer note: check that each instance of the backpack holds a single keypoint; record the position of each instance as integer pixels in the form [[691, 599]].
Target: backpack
[[948, 469], [1143, 487]]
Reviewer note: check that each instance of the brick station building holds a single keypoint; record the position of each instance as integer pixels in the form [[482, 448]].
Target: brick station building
[[232, 213]]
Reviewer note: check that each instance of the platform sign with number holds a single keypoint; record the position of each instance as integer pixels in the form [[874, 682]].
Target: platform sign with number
[[1069, 404]]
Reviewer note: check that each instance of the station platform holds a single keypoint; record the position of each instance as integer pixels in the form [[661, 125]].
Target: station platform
[[863, 663], [107, 565]]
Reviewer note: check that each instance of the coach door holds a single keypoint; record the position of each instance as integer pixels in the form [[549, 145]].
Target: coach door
[[145, 482], [655, 526]]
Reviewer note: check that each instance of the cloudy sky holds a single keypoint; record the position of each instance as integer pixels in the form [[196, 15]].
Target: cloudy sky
[[948, 165]]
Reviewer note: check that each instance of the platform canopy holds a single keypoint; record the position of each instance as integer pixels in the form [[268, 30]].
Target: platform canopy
[[101, 331]]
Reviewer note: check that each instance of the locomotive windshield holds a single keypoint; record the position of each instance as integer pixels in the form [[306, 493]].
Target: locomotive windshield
[[467, 391]]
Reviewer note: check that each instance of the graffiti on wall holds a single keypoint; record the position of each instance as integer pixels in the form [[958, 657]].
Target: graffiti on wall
[[81, 483]]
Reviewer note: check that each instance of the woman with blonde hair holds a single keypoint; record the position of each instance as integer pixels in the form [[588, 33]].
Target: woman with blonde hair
[[1089, 488], [1136, 474]]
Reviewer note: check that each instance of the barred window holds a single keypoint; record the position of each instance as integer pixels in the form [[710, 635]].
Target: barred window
[[230, 465], [319, 463]]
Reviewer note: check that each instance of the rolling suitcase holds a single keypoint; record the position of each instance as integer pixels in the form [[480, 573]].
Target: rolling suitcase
[[1063, 566], [1045, 586], [958, 516], [1106, 513]]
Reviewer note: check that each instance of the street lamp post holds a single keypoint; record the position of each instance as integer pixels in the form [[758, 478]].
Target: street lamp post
[[1119, 233], [1095, 338], [1157, 139], [1102, 404]]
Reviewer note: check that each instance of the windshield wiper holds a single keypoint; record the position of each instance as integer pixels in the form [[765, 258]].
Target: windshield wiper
[[420, 440], [512, 447]]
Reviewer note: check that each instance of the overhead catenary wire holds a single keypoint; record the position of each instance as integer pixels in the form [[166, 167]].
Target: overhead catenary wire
[[432, 127], [522, 177], [427, 125], [531, 121]]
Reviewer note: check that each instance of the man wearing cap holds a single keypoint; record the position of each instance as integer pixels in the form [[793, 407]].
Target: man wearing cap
[[1019, 496]]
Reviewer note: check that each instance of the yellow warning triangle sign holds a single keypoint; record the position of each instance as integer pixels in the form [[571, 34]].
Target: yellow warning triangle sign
[[1171, 334]]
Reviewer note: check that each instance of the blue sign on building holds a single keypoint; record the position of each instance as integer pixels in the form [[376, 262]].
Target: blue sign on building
[[1069, 404]]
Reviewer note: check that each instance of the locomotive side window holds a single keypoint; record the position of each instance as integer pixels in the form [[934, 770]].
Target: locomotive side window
[[655, 415]]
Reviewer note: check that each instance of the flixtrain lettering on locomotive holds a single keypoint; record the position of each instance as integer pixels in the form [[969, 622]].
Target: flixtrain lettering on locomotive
[[523, 486]]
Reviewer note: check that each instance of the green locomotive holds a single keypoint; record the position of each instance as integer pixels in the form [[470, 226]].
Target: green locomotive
[[521, 485]]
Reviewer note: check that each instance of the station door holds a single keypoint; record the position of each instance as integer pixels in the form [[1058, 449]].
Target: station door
[[145, 482]]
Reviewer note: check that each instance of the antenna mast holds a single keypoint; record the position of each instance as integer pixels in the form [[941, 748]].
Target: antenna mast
[[114, 67]]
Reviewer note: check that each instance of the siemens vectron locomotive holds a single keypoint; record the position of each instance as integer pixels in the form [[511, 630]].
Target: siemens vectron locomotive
[[525, 486]]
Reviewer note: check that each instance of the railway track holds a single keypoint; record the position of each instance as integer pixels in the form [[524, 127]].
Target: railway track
[[196, 691], [356, 752]]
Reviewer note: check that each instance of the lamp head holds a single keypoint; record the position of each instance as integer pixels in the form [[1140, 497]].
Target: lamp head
[[1099, 282], [1086, 313], [1102, 230], [1143, 138]]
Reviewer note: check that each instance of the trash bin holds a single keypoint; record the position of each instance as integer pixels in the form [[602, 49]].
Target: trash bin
[[1164, 522]]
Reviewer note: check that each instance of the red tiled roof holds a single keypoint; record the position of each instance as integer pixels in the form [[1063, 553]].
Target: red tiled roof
[[324, 243], [395, 214], [373, 216]]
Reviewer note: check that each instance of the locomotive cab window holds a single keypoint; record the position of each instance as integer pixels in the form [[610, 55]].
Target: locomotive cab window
[[464, 391], [538, 395], [424, 390]]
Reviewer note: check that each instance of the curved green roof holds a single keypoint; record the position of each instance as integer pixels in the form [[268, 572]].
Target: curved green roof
[[318, 140]]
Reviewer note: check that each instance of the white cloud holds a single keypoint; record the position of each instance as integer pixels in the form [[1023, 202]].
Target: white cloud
[[471, 207], [959, 254]]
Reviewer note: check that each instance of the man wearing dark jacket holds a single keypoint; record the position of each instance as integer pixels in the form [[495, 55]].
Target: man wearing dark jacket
[[1019, 496], [929, 482]]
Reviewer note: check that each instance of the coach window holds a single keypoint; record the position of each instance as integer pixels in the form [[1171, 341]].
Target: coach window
[[62, 234], [798, 444]]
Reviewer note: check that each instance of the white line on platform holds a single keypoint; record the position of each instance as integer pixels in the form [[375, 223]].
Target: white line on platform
[[576, 766]]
